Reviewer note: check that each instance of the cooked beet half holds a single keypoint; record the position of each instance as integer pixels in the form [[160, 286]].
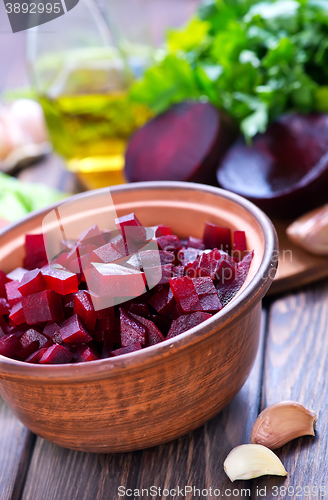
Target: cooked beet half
[[285, 170], [183, 144]]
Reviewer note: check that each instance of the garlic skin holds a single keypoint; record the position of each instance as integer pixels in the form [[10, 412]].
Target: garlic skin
[[282, 422], [311, 231], [252, 460]]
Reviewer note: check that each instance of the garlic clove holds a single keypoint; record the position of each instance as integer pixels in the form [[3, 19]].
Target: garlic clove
[[252, 460], [282, 422], [311, 231]]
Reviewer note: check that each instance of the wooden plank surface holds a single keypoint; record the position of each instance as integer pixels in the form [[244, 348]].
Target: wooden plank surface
[[193, 460], [16, 446], [296, 367]]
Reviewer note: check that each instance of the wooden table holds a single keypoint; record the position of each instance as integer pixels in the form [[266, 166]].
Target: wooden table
[[292, 363]]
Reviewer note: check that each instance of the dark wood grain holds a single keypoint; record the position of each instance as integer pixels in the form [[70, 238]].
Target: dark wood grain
[[296, 368], [16, 446]]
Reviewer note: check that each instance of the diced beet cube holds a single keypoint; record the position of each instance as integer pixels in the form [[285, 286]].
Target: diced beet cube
[[155, 258], [32, 282], [42, 307], [108, 329], [139, 308], [50, 329], [161, 230], [185, 294], [239, 241], [112, 280], [228, 289], [187, 255], [4, 307], [108, 312], [154, 336], [35, 252], [105, 254], [226, 271], [204, 285], [177, 312], [132, 230], [177, 271], [60, 281], [85, 353], [73, 332], [169, 243], [78, 265], [36, 356], [119, 245], [17, 314], [191, 269], [186, 322], [17, 274], [4, 327], [217, 237], [195, 243], [131, 330], [3, 281], [10, 346], [83, 306], [163, 324], [13, 294], [208, 296], [31, 341], [56, 354], [163, 302], [91, 236], [126, 350]]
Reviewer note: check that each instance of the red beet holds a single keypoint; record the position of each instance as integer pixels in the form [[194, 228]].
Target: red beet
[[35, 252], [132, 331], [10, 346], [207, 294], [185, 294], [161, 230], [56, 354], [132, 231], [154, 336], [36, 356], [4, 307], [60, 281], [83, 306], [112, 280], [139, 308], [85, 353], [163, 302], [105, 254], [3, 281], [17, 274], [42, 306], [32, 282], [31, 341], [285, 171], [239, 241], [50, 329], [217, 237], [228, 289], [184, 144], [17, 314], [126, 350], [185, 322], [170, 243], [73, 332], [13, 294]]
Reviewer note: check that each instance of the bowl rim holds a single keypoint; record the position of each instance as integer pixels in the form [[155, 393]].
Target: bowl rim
[[253, 292]]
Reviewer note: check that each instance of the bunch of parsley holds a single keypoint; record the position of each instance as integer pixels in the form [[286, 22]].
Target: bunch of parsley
[[255, 60]]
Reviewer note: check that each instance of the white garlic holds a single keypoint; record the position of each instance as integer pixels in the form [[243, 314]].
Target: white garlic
[[311, 231], [252, 460]]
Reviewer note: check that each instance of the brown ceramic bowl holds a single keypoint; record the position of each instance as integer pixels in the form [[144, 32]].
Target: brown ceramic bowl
[[149, 397]]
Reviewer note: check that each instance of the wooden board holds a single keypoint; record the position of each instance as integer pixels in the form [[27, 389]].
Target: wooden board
[[16, 447], [296, 367], [296, 267]]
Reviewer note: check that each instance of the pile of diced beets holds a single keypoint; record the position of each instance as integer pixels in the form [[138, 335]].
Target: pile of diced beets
[[48, 314]]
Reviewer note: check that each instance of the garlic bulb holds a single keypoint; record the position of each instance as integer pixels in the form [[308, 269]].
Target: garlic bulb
[[311, 231]]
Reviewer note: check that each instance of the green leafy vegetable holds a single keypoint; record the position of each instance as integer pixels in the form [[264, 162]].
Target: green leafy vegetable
[[252, 59], [19, 198]]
